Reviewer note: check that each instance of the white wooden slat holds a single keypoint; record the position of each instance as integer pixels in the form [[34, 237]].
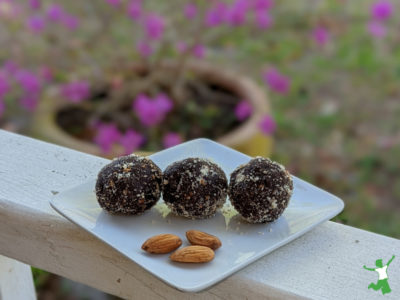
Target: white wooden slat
[[16, 281], [326, 263]]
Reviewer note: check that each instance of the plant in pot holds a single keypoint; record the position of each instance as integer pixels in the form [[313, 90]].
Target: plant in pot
[[123, 76]]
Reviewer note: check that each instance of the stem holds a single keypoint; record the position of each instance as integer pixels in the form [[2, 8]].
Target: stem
[[177, 87]]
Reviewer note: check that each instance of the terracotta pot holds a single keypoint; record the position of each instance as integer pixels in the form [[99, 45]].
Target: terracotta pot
[[245, 138]]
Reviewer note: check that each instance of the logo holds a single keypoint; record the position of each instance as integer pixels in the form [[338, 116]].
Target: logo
[[382, 283]]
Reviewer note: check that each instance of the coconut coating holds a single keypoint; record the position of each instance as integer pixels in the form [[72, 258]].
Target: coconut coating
[[194, 188], [260, 190], [129, 185]]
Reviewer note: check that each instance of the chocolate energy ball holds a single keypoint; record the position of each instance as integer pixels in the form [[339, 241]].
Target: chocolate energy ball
[[194, 188], [129, 185], [260, 190]]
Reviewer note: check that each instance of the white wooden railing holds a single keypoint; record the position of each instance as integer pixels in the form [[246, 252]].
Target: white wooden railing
[[326, 263]]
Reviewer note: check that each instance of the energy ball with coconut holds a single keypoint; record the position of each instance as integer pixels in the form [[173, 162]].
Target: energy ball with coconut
[[129, 185], [260, 190], [194, 188]]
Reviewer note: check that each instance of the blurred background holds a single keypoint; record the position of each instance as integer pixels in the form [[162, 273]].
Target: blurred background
[[313, 84]]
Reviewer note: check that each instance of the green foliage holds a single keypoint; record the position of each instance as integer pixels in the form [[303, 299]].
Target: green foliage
[[39, 277]]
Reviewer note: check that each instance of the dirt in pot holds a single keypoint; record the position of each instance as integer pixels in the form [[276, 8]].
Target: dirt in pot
[[207, 110], [74, 120]]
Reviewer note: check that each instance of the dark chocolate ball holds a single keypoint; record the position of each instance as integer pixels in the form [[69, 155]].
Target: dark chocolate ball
[[129, 185], [260, 190], [194, 188]]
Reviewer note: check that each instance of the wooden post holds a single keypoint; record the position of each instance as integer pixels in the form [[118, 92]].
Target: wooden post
[[16, 281]]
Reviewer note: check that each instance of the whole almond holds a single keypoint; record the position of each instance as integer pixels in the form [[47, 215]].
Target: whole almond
[[162, 243], [193, 254], [200, 238]]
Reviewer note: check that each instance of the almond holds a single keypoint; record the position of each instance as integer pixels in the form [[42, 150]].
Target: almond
[[162, 243], [200, 238], [193, 254]]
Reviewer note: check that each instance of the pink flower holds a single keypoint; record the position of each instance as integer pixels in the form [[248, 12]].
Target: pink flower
[[55, 12], [267, 125], [4, 85], [190, 10], [199, 51], [114, 3], [376, 29], [69, 21], [35, 4], [263, 19], [381, 10], [76, 91], [107, 135], [171, 139], [320, 35], [154, 26], [134, 9], [144, 48], [36, 24], [10, 67], [2, 107], [163, 103], [236, 14], [29, 82], [276, 81], [131, 141], [263, 4], [151, 111], [216, 15], [243, 110], [147, 111], [29, 102]]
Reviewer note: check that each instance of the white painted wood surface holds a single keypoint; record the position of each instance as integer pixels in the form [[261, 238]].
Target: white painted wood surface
[[325, 263], [16, 281]]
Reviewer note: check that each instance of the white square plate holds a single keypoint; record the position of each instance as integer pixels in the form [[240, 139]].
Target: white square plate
[[242, 243]]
